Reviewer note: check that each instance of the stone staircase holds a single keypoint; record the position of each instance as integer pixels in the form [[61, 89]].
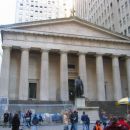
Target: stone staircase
[[39, 106]]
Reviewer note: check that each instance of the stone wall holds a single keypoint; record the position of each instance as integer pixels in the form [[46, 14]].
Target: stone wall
[[109, 107]]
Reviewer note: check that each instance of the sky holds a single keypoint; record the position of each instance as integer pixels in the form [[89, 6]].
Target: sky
[[7, 11]]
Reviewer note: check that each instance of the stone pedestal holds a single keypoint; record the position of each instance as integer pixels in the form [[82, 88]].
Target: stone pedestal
[[92, 112], [79, 102]]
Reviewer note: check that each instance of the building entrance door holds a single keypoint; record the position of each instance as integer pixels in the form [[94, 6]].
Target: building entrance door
[[32, 90], [71, 89]]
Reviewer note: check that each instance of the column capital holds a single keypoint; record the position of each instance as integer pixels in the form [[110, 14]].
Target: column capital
[[44, 50], [115, 55], [99, 54], [82, 53], [127, 56], [25, 49], [63, 51], [7, 47]]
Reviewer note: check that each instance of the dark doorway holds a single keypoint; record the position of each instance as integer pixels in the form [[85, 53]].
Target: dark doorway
[[71, 89], [32, 90]]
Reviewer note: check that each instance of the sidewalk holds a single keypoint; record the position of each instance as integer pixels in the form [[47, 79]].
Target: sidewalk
[[51, 127]]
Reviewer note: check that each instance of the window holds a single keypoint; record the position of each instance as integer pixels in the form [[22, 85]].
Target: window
[[32, 90], [71, 66], [129, 29], [126, 5], [120, 23], [124, 21], [125, 32], [111, 4]]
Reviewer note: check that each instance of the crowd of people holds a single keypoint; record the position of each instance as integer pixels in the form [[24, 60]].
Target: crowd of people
[[70, 120], [113, 122], [14, 120]]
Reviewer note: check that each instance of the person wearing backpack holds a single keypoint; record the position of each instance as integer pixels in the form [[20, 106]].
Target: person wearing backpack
[[86, 121], [97, 125], [35, 122]]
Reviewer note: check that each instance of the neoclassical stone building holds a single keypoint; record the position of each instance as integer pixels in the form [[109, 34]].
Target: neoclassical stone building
[[41, 60]]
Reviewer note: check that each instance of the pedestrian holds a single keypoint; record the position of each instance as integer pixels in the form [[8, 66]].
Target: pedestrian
[[97, 125], [6, 119], [74, 120], [104, 118], [123, 124], [66, 120], [128, 117], [28, 118], [10, 119], [114, 125], [35, 122], [15, 122], [40, 119], [86, 121]]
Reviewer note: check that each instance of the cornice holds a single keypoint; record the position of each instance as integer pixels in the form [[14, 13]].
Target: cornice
[[54, 34], [64, 20]]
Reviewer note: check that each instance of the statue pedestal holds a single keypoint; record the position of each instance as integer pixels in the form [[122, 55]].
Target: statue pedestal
[[79, 102], [92, 112]]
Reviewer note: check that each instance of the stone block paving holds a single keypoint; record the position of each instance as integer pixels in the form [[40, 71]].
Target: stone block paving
[[51, 127]]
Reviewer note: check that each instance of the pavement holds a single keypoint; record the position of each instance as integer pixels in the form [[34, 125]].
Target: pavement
[[49, 127]]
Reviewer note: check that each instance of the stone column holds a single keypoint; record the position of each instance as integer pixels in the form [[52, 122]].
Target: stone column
[[128, 73], [116, 78], [83, 72], [44, 77], [23, 84], [100, 78], [64, 77], [5, 69]]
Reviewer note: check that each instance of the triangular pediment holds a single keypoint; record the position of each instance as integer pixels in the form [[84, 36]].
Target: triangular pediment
[[72, 26]]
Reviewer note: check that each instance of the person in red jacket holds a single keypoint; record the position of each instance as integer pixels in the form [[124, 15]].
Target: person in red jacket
[[123, 124], [114, 125]]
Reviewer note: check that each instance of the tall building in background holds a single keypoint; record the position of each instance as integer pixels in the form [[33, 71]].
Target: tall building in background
[[111, 14], [33, 10], [80, 8]]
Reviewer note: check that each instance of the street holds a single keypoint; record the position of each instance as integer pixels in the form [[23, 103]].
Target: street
[[51, 127]]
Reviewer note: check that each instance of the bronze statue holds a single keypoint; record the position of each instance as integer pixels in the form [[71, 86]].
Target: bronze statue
[[79, 88]]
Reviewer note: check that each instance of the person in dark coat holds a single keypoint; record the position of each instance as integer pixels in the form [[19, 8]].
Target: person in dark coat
[[6, 118], [15, 122], [86, 121]]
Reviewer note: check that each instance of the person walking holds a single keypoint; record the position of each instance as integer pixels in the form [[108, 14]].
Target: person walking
[[74, 120], [97, 125], [15, 122], [10, 119], [35, 122], [6, 119], [86, 121], [66, 120]]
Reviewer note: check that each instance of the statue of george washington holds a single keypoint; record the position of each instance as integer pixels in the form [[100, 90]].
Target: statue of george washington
[[79, 88]]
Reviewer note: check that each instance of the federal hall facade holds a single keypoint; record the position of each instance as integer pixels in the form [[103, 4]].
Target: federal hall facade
[[42, 59]]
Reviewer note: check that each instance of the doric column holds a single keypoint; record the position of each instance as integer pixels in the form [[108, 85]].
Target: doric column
[[116, 78], [23, 84], [83, 72], [128, 73], [100, 77], [64, 77], [44, 77], [5, 69]]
